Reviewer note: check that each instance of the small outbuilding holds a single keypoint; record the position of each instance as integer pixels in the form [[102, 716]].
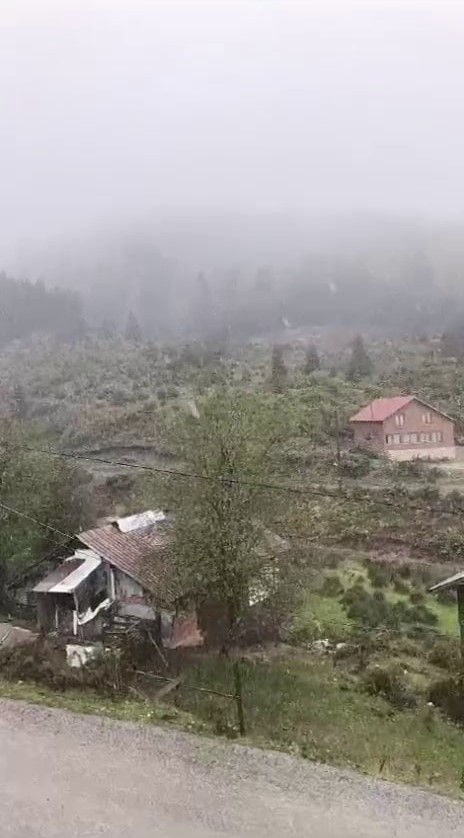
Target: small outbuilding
[[455, 583]]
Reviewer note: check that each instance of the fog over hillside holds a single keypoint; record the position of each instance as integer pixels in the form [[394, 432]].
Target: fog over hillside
[[250, 161]]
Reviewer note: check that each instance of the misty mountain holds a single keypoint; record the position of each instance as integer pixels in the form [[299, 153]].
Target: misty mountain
[[238, 277]]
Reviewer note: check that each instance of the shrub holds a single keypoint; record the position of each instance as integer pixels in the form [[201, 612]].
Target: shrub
[[448, 695], [446, 596], [379, 575], [410, 468], [370, 610], [304, 634], [332, 586], [446, 654], [422, 614], [417, 597], [356, 592], [388, 683], [355, 465], [454, 501], [373, 610], [400, 586]]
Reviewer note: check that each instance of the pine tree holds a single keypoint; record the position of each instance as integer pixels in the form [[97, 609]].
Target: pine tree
[[312, 362], [360, 364], [279, 372], [133, 331], [19, 401]]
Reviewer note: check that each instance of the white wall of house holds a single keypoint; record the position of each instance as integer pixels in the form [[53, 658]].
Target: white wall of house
[[133, 600]]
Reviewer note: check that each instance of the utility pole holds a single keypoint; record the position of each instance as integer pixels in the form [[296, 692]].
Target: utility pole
[[460, 595], [239, 697], [338, 454]]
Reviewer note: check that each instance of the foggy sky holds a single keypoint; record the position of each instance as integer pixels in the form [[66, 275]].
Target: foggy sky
[[113, 108]]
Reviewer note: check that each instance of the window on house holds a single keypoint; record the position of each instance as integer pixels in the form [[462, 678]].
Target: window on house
[[427, 417], [406, 438], [396, 439], [389, 439], [424, 437], [439, 436], [413, 438], [399, 420]]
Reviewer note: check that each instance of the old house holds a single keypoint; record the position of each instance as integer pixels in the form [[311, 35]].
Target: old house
[[117, 572], [123, 572], [405, 428]]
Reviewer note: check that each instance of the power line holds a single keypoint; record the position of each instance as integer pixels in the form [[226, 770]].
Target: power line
[[294, 490], [174, 472], [35, 520]]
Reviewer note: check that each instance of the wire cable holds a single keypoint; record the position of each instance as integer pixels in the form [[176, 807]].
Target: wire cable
[[294, 490]]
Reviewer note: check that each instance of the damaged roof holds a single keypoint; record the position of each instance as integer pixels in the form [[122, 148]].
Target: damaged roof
[[142, 552], [139, 521], [66, 578]]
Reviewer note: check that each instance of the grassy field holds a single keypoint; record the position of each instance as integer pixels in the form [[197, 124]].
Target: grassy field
[[326, 616], [319, 712]]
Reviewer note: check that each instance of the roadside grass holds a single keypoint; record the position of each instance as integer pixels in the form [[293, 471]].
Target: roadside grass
[[298, 703], [89, 703], [316, 711]]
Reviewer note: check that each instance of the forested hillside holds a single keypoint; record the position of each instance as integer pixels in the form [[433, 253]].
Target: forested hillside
[[30, 307], [217, 278]]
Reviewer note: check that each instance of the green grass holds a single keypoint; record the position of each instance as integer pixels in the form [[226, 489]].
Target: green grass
[[304, 706], [325, 616], [447, 616], [322, 615], [310, 708], [84, 701]]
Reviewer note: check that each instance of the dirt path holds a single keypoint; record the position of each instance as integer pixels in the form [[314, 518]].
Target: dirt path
[[63, 775]]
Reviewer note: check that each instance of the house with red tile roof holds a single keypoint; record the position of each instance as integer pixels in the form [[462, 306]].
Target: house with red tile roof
[[405, 428]]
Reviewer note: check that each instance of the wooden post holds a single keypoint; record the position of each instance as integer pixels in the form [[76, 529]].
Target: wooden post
[[239, 698], [460, 593]]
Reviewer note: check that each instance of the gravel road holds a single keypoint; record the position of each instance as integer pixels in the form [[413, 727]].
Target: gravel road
[[63, 776]]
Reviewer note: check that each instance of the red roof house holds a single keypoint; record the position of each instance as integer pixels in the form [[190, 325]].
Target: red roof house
[[405, 428]]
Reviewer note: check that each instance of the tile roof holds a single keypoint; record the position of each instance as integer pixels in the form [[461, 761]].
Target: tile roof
[[143, 554], [380, 409]]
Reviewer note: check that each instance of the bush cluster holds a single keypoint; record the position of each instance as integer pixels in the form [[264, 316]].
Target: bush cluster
[[446, 654], [448, 695], [389, 683], [374, 610]]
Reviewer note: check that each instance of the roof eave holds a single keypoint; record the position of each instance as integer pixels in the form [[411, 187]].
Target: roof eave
[[456, 581]]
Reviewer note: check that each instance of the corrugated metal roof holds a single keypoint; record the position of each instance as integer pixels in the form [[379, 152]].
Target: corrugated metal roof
[[89, 563], [142, 554], [380, 409], [141, 520], [70, 574], [451, 582]]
